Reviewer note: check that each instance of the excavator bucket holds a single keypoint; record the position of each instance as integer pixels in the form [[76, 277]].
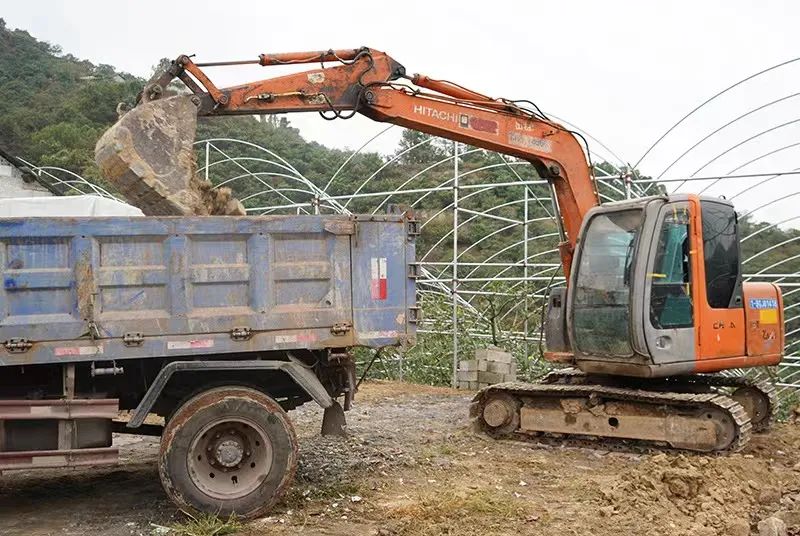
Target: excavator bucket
[[149, 158]]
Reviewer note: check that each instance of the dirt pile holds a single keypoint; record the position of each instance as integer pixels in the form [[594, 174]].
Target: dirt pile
[[148, 156], [705, 496]]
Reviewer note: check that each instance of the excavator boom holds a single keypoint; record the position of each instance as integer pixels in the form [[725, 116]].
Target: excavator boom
[[160, 177]]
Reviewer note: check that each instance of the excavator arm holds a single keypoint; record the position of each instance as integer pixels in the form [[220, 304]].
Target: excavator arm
[[368, 82]]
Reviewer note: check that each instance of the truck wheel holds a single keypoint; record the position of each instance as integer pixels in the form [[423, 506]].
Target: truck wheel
[[228, 450]]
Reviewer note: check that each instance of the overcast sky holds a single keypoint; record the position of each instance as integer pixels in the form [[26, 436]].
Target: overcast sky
[[622, 71]]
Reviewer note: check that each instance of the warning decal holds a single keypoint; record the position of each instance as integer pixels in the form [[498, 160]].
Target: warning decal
[[78, 350], [378, 283], [190, 345], [768, 316], [767, 309]]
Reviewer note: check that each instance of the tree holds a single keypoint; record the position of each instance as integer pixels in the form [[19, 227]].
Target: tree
[[420, 149]]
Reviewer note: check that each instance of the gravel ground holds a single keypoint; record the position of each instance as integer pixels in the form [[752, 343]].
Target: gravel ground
[[410, 465]]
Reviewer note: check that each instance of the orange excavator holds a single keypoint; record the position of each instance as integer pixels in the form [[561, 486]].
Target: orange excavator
[[655, 302]]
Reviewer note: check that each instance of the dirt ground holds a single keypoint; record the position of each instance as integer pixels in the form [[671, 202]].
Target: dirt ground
[[411, 466]]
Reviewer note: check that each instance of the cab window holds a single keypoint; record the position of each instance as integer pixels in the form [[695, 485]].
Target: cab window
[[601, 306], [721, 255], [670, 280]]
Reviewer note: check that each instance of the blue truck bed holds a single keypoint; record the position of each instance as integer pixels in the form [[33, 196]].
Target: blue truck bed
[[85, 289]]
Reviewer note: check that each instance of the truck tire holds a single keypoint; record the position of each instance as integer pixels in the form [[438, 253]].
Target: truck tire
[[228, 450]]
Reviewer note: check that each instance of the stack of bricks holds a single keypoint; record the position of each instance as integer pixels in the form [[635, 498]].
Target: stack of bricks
[[491, 365]]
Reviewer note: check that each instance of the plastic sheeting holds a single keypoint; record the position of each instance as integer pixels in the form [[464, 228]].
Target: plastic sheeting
[[67, 206]]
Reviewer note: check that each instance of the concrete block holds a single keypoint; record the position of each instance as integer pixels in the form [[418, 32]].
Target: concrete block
[[490, 377], [493, 354], [511, 375], [472, 364], [467, 375], [463, 385], [500, 368], [475, 386], [500, 357]]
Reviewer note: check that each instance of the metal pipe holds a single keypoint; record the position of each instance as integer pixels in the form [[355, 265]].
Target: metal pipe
[[562, 235], [455, 264], [726, 125], [525, 219], [737, 176], [317, 56]]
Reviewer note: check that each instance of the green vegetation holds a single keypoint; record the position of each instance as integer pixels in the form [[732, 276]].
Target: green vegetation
[[457, 512], [204, 525], [53, 106]]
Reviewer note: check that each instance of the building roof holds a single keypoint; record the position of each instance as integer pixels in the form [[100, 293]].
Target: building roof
[[27, 174], [11, 159]]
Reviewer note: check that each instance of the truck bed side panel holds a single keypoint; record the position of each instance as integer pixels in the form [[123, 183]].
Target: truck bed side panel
[[75, 287], [380, 279]]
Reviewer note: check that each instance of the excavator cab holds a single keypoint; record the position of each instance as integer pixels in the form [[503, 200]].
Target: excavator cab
[[657, 290]]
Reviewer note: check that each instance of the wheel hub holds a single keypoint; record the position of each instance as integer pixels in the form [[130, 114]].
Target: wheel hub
[[229, 458], [229, 452]]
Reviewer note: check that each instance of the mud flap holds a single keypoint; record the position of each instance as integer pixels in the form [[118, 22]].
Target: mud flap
[[333, 421]]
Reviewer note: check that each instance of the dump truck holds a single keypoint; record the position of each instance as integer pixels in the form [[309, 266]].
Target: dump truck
[[217, 325]]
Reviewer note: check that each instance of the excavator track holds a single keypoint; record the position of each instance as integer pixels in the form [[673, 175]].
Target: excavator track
[[758, 397], [703, 422]]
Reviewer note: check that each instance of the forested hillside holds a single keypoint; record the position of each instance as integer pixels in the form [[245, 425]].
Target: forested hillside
[[54, 106]]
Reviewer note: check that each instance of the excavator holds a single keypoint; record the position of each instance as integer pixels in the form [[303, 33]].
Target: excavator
[[654, 308]]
